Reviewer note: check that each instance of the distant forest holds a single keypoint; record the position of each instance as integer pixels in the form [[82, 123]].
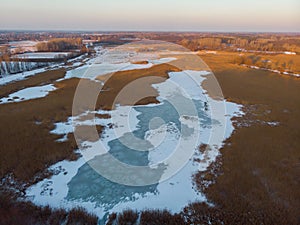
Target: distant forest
[[256, 43]]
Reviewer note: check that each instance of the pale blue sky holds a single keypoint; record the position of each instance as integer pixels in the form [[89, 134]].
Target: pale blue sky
[[161, 15]]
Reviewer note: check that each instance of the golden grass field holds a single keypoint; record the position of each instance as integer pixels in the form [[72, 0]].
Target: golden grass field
[[260, 163]]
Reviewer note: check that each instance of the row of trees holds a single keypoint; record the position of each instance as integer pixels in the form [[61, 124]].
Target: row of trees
[[11, 67], [60, 45], [203, 43], [254, 60]]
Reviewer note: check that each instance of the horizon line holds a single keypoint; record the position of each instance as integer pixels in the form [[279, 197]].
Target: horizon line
[[142, 31]]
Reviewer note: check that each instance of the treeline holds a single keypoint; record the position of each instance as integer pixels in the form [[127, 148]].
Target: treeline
[[60, 45], [251, 42], [258, 61], [17, 66], [203, 43]]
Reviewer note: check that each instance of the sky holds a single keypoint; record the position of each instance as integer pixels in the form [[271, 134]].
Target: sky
[[153, 15]]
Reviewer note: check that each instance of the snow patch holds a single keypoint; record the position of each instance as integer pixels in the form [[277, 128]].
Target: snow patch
[[28, 94]]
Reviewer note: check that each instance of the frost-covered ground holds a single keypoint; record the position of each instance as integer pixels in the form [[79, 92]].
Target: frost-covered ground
[[22, 46]]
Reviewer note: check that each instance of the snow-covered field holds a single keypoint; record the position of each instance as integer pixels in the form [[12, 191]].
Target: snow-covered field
[[106, 67], [22, 46], [17, 44]]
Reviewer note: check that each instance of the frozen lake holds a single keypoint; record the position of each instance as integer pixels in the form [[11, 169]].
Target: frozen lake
[[147, 155], [80, 182]]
